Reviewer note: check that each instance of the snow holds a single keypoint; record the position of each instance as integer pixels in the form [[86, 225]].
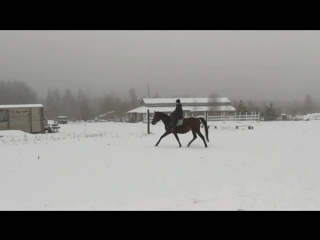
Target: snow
[[105, 114], [144, 109], [13, 133], [22, 106], [115, 166], [311, 116]]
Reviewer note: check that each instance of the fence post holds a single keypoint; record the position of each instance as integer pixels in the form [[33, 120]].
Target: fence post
[[246, 117], [258, 117], [206, 116], [240, 117], [148, 122]]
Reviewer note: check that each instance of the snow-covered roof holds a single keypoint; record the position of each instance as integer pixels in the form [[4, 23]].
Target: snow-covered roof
[[22, 106], [182, 100], [106, 114], [144, 109]]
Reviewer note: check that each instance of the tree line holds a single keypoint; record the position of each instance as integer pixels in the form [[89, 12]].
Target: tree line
[[75, 105], [271, 111], [80, 105]]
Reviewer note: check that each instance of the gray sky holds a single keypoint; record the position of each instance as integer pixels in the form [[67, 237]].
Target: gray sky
[[244, 65]]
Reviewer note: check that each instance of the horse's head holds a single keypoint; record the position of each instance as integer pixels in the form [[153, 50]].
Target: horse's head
[[156, 118]]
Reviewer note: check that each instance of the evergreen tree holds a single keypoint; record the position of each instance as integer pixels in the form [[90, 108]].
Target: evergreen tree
[[49, 105], [68, 104], [241, 108], [270, 113], [56, 111], [82, 106], [17, 92]]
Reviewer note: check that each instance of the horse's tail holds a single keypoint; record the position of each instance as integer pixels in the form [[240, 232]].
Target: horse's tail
[[205, 127]]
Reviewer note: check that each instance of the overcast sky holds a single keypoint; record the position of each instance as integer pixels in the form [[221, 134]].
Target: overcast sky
[[244, 65]]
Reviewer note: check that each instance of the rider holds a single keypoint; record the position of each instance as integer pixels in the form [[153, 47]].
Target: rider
[[176, 114]]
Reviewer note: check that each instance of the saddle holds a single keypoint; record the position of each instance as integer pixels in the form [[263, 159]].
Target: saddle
[[178, 123]]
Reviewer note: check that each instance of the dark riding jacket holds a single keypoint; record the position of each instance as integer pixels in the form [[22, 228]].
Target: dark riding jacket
[[178, 112]]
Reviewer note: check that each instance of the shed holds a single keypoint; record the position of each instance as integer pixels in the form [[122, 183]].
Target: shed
[[114, 116], [23, 117]]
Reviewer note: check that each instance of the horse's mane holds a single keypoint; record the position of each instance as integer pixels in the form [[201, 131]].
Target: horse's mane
[[163, 113], [166, 115]]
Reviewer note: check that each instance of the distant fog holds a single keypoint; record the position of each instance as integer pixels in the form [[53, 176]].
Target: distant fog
[[247, 65]]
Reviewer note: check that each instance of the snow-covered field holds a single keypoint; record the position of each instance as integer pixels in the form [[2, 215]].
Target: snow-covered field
[[115, 166]]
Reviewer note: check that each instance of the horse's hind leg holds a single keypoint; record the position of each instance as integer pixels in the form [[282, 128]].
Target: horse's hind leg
[[194, 137], [202, 137], [165, 134]]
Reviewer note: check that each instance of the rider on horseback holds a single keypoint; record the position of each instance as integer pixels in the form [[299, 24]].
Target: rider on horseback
[[176, 114]]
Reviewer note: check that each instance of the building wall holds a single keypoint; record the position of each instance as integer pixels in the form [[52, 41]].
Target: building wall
[[28, 120], [4, 120], [36, 120], [4, 126], [19, 119]]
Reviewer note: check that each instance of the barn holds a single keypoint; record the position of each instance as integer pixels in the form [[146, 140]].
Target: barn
[[191, 107], [24, 117]]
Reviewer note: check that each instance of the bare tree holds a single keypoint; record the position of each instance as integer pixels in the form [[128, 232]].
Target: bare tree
[[195, 105], [133, 97], [213, 102], [309, 105]]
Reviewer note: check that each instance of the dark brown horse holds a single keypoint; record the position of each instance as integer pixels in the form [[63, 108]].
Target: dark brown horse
[[190, 123]]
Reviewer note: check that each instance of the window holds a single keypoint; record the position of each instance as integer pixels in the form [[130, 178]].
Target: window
[[4, 116]]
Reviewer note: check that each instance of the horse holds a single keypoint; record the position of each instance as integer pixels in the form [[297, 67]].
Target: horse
[[190, 123]]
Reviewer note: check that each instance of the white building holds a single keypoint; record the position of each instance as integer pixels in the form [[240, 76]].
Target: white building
[[190, 106], [23, 117]]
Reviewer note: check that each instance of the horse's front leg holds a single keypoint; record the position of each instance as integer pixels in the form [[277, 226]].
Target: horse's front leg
[[176, 135], [165, 134]]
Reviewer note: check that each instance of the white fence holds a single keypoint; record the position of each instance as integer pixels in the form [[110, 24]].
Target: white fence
[[235, 118]]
